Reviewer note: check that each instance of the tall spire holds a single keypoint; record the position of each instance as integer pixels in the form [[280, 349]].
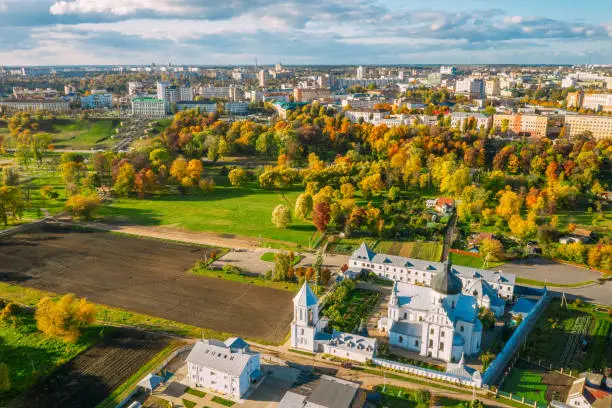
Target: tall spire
[[394, 292]]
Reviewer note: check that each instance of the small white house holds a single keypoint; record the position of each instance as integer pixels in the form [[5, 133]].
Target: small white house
[[225, 367], [350, 346]]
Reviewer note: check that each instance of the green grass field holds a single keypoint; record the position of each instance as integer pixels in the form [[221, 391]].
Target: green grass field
[[526, 383], [240, 211], [32, 179], [30, 355], [81, 134], [430, 251], [472, 261], [269, 257]]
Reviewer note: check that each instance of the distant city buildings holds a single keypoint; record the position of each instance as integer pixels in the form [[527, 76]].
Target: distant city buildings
[[598, 102], [97, 100], [521, 125], [310, 94], [148, 107], [472, 88], [56, 106], [599, 126]]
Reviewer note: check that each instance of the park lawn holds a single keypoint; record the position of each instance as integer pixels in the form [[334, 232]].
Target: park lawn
[[32, 178], [81, 134], [472, 261], [31, 355], [427, 250], [239, 211], [583, 218], [525, 383], [256, 280], [393, 396], [348, 245], [269, 257]]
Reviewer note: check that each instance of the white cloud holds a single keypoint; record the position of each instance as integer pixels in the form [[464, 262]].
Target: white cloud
[[121, 7]]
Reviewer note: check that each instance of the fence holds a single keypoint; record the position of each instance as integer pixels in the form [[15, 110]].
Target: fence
[[23, 227], [522, 400], [157, 369], [497, 367], [427, 373]]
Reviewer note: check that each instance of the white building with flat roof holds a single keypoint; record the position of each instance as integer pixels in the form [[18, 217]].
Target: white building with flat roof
[[599, 126], [228, 367], [148, 107], [97, 101], [459, 119]]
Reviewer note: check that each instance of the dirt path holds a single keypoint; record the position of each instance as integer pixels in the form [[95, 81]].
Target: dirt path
[[448, 237], [175, 234]]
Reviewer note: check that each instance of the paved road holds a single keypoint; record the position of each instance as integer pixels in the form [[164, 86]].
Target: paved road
[[543, 269], [249, 260]]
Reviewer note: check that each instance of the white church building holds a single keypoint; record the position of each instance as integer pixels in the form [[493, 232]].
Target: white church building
[[437, 321], [490, 288], [308, 332]]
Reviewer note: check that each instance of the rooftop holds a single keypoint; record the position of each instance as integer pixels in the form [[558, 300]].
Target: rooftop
[[219, 356]]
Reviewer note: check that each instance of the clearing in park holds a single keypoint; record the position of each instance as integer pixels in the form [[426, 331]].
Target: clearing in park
[[145, 276]]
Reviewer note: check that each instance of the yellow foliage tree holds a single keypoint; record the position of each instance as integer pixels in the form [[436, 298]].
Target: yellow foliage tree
[[64, 318], [509, 203]]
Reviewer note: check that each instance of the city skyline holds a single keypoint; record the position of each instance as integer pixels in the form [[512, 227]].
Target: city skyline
[[42, 32]]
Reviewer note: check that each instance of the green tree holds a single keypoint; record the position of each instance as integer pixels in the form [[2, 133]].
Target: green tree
[[5, 378], [11, 203]]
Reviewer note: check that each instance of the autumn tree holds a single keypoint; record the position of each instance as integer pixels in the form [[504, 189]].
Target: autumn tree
[[282, 264], [491, 249], [64, 318], [125, 179], [207, 184], [82, 206], [321, 216], [237, 176], [303, 206], [509, 203], [371, 185], [281, 216], [145, 182]]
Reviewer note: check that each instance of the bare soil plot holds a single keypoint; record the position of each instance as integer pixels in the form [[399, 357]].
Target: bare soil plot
[[145, 276], [89, 378]]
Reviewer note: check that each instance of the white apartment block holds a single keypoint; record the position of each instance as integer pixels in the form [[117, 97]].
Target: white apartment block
[[34, 106], [596, 101], [368, 115], [228, 367], [459, 119], [492, 87], [97, 101], [472, 88], [522, 125], [135, 88], [172, 94], [310, 94], [148, 107], [447, 70], [201, 106], [237, 108], [599, 126]]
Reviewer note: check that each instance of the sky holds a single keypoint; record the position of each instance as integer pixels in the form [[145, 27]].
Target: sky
[[222, 32]]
